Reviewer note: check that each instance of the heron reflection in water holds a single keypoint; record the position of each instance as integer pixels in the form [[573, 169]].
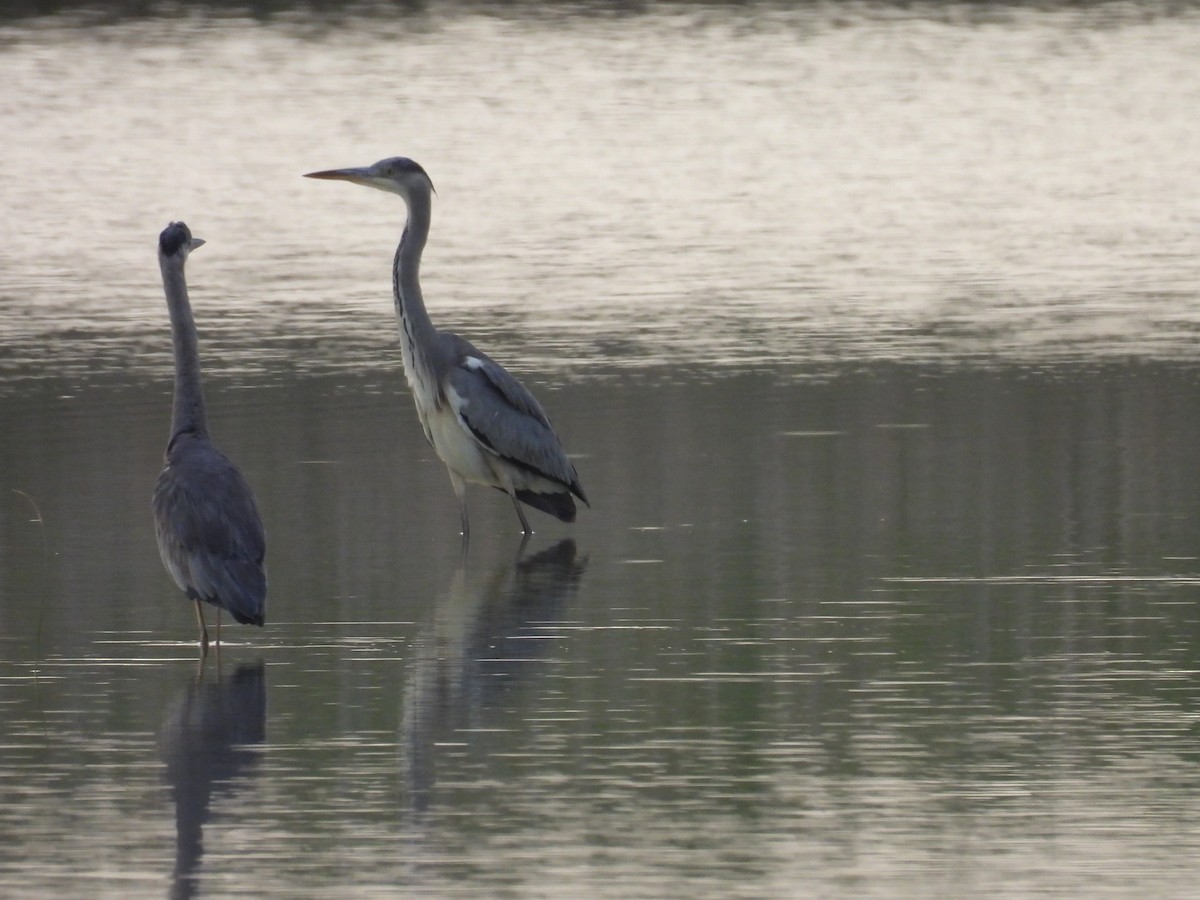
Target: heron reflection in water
[[207, 742], [210, 536], [485, 635], [482, 422]]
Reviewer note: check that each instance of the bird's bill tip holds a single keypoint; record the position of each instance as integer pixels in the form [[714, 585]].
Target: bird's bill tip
[[197, 242]]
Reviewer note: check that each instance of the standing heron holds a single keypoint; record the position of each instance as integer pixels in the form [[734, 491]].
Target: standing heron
[[209, 532], [483, 423]]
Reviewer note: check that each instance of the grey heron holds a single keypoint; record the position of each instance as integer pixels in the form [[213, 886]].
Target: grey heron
[[210, 535], [482, 422]]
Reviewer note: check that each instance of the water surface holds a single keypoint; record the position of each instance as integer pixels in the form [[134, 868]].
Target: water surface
[[871, 334]]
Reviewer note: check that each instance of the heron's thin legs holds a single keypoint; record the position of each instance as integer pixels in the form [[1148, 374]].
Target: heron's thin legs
[[218, 628], [521, 515], [460, 491], [203, 629]]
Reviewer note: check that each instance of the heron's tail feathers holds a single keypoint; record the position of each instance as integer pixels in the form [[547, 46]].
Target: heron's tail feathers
[[244, 592], [560, 505]]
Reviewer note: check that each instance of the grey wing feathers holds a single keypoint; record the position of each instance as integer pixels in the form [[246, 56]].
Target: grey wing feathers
[[209, 532], [506, 418], [513, 392]]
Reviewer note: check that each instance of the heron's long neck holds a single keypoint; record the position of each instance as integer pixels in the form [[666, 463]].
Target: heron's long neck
[[416, 331], [187, 413]]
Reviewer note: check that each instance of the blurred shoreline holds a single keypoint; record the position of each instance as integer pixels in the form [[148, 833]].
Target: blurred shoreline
[[85, 13]]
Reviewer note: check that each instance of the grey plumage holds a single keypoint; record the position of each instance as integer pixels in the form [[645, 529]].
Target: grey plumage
[[484, 424], [210, 534]]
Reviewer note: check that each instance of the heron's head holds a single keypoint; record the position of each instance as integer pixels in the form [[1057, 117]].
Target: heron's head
[[176, 241], [396, 175]]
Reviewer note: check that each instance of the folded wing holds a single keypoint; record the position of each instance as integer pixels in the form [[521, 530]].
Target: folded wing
[[210, 534], [506, 419]]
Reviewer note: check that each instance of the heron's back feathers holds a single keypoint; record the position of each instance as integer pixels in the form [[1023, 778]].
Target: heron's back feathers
[[210, 535]]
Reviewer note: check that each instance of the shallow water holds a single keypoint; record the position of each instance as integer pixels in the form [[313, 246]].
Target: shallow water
[[870, 334]]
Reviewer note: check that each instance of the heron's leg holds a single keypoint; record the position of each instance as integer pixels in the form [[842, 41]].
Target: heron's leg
[[521, 515], [203, 630], [218, 628], [460, 491]]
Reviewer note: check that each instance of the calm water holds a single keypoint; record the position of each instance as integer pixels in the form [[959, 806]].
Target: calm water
[[872, 334]]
